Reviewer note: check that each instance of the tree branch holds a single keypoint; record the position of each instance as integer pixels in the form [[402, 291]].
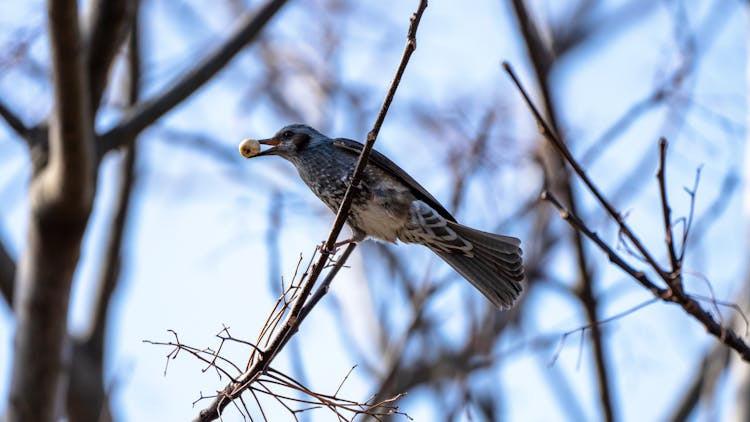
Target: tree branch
[[67, 180], [674, 293], [86, 392], [714, 364], [105, 32], [302, 307], [13, 120], [543, 59], [86, 399], [661, 176], [552, 137], [7, 274], [61, 195], [151, 110]]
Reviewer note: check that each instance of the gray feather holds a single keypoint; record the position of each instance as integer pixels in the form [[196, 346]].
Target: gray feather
[[494, 267]]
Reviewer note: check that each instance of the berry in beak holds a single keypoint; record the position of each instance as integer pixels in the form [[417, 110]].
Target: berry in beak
[[250, 148]]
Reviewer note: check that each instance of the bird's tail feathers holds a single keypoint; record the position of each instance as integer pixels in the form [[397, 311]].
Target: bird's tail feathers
[[493, 266]]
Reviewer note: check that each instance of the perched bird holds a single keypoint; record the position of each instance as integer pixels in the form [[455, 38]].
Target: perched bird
[[391, 205]]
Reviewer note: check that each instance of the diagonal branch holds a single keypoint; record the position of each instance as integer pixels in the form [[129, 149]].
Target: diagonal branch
[[105, 33], [13, 120], [674, 293], [613, 257], [302, 306], [151, 110], [713, 366], [543, 58], [552, 137]]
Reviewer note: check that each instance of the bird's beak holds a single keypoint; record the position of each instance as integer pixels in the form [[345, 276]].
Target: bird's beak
[[247, 151], [273, 142]]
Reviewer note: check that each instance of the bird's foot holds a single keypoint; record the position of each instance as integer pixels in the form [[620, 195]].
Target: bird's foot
[[322, 247], [344, 242]]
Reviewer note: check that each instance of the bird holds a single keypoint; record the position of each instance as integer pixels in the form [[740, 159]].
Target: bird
[[390, 205]]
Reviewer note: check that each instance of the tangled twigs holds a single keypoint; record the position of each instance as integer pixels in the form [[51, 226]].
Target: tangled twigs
[[671, 278], [291, 394]]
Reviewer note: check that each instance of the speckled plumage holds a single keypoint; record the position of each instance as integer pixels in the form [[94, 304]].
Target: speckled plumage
[[390, 205]]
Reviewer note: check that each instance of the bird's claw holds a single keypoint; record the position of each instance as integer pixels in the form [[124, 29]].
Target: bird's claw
[[322, 248]]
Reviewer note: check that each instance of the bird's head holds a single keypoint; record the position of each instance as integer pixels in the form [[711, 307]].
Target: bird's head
[[286, 143]]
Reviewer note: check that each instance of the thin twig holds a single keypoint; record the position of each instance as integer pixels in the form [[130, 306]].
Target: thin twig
[[568, 156], [7, 275], [543, 60], [579, 225], [691, 213], [582, 329], [151, 110], [344, 380], [723, 334], [667, 211], [13, 121]]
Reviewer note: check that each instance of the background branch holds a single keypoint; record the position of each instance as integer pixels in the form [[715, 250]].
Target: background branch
[[105, 32], [13, 121], [543, 60], [151, 110], [7, 274], [86, 401], [674, 294]]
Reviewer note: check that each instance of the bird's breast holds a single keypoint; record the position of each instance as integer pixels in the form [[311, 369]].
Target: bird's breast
[[380, 207]]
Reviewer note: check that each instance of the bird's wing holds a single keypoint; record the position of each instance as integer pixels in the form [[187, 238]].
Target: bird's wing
[[389, 166]]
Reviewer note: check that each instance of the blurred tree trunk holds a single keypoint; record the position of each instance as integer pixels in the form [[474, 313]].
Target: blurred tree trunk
[[54, 376], [61, 196]]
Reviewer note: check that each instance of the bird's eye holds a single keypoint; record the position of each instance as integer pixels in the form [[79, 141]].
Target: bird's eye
[[287, 134]]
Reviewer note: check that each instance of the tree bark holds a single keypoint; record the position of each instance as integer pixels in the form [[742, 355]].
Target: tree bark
[[61, 195]]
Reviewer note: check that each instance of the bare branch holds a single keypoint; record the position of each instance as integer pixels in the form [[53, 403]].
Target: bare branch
[[86, 394], [599, 323], [666, 210], [13, 120], [110, 274], [68, 178], [566, 154], [105, 32], [151, 110], [86, 398], [688, 223], [543, 58], [722, 333], [7, 275]]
